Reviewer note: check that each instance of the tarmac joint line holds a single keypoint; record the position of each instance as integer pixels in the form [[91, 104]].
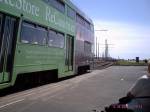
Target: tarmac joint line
[[11, 103]]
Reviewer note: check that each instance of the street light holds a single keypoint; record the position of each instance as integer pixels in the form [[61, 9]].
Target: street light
[[97, 44], [100, 30]]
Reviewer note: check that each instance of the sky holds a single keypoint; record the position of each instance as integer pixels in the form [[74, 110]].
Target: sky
[[127, 23]]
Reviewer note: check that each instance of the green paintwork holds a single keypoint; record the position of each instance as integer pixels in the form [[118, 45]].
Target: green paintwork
[[31, 58], [41, 13]]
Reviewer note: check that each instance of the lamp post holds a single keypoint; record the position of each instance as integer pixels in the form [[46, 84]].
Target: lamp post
[[97, 43], [101, 30]]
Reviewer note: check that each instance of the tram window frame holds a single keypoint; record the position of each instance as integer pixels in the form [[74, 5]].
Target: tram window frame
[[57, 4], [35, 29], [71, 13], [55, 37]]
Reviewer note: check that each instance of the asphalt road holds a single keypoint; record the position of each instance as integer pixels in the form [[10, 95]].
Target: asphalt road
[[83, 93]]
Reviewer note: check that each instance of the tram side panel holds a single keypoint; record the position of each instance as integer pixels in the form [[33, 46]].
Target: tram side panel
[[42, 45], [84, 48]]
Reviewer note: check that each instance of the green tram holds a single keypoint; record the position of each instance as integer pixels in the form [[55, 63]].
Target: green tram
[[41, 36]]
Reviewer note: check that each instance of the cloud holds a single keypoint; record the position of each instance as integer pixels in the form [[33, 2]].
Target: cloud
[[129, 40], [119, 29]]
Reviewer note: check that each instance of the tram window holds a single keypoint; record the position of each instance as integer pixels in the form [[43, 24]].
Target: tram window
[[27, 32], [0, 24], [61, 6], [33, 34], [83, 22], [58, 4], [55, 39], [40, 36], [80, 20], [60, 40], [71, 13], [87, 25], [92, 27], [87, 47], [52, 38]]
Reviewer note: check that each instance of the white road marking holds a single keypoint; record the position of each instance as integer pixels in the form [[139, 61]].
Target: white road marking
[[11, 103]]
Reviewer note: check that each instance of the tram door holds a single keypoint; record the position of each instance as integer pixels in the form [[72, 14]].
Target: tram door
[[8, 28], [69, 52]]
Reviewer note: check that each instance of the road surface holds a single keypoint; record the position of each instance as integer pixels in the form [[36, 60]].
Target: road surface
[[84, 93]]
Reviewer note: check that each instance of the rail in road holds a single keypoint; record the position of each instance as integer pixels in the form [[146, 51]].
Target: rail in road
[[102, 64]]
